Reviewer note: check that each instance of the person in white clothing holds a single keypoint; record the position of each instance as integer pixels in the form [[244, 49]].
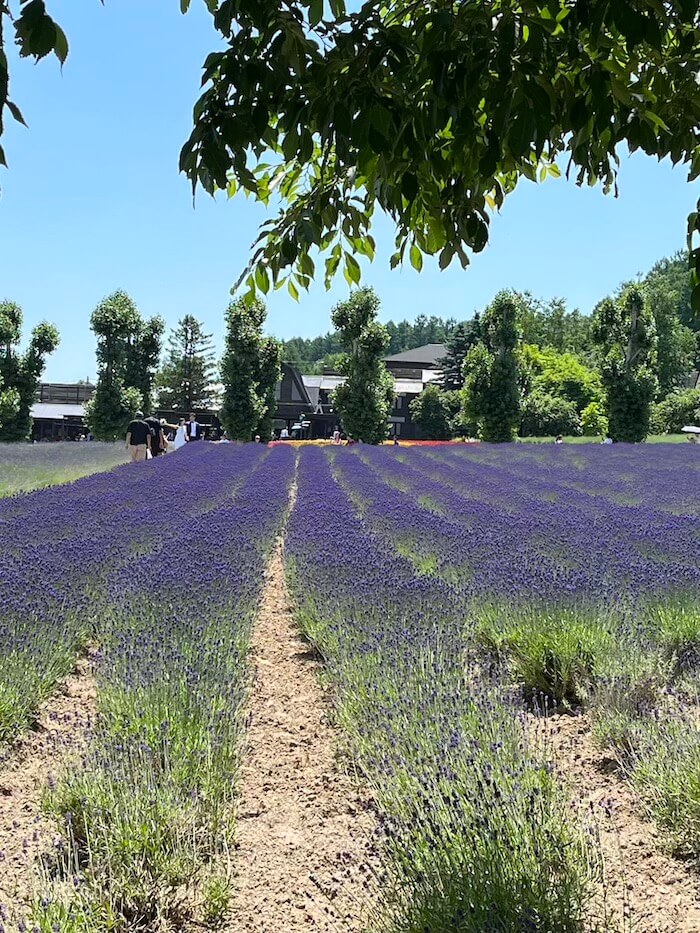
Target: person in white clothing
[[180, 435]]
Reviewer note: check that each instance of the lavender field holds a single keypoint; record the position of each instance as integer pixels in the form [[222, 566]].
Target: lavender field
[[457, 596]]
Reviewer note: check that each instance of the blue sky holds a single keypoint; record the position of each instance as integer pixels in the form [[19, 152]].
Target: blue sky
[[93, 201]]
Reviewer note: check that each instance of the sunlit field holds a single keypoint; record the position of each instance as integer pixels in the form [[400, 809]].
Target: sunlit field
[[457, 596], [32, 466]]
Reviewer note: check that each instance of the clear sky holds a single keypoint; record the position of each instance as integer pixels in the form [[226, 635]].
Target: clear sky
[[93, 201]]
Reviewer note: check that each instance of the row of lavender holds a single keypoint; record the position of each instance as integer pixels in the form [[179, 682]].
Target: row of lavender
[[60, 545], [579, 576], [148, 813], [477, 834]]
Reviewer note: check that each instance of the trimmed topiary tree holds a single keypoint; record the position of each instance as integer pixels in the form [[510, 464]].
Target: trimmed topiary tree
[[20, 372], [491, 391], [365, 398], [625, 332]]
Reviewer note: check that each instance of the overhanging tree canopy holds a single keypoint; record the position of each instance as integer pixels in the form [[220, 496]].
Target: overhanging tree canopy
[[428, 109], [431, 110]]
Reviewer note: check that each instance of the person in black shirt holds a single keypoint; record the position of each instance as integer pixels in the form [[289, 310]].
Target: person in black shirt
[[158, 443], [138, 438]]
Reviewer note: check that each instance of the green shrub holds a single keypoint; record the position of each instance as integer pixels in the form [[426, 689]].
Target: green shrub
[[593, 420], [547, 415], [557, 656], [679, 408], [678, 629]]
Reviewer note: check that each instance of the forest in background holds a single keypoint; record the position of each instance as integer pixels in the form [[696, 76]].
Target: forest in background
[[545, 324]]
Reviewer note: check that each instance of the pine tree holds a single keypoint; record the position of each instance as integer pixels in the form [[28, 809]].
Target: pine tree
[[20, 372], [364, 400], [186, 377], [465, 336]]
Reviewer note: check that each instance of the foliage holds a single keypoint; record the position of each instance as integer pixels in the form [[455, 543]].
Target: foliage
[[364, 400], [593, 420], [491, 394], [625, 332], [269, 374], [465, 336], [431, 412], [36, 35], [677, 346], [142, 359], [556, 656], [20, 372], [317, 353], [9, 402], [111, 408], [549, 324], [250, 369], [548, 415], [671, 275], [186, 376], [127, 358], [678, 409], [430, 114], [558, 374]]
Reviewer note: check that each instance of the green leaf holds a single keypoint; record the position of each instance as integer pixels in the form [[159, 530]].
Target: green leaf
[[446, 257], [352, 268], [15, 111], [292, 289], [409, 186], [61, 44], [695, 300], [416, 258], [262, 279], [315, 12]]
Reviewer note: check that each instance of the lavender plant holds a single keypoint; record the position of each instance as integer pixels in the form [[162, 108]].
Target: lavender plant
[[477, 834], [152, 806]]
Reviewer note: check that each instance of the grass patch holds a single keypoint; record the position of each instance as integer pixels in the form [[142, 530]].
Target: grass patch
[[558, 655], [24, 467]]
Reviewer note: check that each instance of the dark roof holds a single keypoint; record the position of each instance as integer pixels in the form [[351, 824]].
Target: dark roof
[[425, 356]]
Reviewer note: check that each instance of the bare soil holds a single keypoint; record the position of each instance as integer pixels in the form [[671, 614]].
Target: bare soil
[[304, 830], [647, 890], [26, 771]]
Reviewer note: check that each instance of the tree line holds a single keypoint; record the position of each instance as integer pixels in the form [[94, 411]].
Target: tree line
[[532, 369], [522, 366], [314, 354]]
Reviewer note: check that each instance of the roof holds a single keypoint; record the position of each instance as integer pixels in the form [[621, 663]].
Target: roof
[[46, 410], [425, 356]]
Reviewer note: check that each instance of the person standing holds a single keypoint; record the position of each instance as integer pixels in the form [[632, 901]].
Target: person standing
[[158, 442], [180, 435], [138, 438], [194, 428]]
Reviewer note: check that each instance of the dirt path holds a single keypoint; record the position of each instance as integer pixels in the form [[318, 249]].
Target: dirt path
[[25, 772], [658, 893], [304, 830]]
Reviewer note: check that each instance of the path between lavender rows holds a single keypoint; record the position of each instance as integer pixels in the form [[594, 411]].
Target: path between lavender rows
[[304, 830], [26, 834]]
